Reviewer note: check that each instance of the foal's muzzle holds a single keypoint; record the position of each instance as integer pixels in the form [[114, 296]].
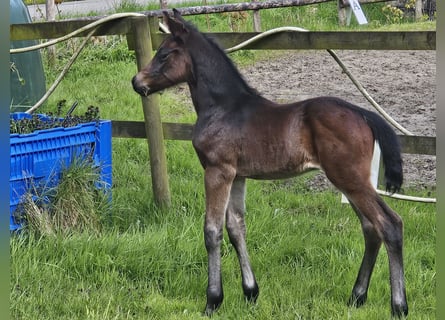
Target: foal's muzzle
[[140, 89]]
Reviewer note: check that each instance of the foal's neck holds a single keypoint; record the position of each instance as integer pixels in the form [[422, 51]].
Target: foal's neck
[[216, 83]]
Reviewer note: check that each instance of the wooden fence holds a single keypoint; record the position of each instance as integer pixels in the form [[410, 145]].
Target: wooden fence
[[142, 36]]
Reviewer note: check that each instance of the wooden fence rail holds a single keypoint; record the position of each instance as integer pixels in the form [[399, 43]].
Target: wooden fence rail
[[345, 40], [142, 36], [183, 131]]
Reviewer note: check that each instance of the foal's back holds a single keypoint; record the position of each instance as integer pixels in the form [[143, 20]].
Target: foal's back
[[270, 141]]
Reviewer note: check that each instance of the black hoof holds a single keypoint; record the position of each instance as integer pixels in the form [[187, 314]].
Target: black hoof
[[214, 301], [357, 300], [210, 310], [399, 311], [251, 294]]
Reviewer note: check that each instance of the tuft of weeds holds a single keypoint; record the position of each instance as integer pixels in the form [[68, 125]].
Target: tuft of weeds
[[79, 202]]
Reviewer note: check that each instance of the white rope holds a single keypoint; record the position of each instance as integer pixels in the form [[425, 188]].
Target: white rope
[[263, 35], [62, 74], [359, 87], [337, 59], [405, 197], [163, 28], [93, 26], [367, 96], [76, 32]]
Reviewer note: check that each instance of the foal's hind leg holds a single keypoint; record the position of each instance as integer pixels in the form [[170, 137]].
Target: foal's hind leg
[[372, 246], [388, 227], [393, 235], [237, 235]]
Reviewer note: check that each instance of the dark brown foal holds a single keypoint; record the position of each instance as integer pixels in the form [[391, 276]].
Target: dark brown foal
[[239, 134]]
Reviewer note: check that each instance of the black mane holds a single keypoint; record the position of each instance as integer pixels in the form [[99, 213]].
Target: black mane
[[229, 64]]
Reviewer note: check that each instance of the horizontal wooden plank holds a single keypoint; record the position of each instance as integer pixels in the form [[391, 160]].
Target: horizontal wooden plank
[[348, 40], [418, 144], [48, 30], [345, 3], [183, 131], [136, 129], [240, 6], [361, 40], [177, 131], [56, 29], [246, 6]]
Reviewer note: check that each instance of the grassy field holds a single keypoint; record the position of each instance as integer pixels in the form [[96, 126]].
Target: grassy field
[[305, 247], [150, 263]]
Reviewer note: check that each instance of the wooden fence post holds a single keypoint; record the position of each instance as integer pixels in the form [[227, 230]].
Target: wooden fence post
[[418, 10], [50, 8], [342, 13], [163, 4], [140, 32], [256, 19]]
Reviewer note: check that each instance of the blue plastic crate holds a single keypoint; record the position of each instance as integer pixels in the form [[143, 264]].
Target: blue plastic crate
[[39, 157]]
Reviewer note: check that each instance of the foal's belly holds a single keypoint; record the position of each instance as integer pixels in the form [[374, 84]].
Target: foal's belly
[[274, 167]]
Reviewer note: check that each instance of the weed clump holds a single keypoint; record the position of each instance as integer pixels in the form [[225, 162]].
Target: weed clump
[[79, 202]]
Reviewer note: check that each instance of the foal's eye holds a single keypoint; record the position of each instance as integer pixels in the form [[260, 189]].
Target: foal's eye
[[163, 57]]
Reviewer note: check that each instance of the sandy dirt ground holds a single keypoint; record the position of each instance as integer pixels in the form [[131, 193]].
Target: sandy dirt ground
[[402, 82]]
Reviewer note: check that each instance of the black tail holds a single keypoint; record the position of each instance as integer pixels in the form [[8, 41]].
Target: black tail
[[390, 148]]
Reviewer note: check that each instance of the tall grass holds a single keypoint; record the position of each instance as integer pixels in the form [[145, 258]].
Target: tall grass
[[79, 202], [305, 252], [150, 263]]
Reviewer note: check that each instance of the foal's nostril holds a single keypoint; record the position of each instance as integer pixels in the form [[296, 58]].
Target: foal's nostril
[[136, 86], [140, 87]]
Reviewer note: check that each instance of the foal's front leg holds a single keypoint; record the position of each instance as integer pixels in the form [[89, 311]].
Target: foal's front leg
[[218, 182], [236, 229]]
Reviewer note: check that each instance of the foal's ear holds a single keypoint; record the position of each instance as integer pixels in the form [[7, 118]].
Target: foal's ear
[[176, 25]]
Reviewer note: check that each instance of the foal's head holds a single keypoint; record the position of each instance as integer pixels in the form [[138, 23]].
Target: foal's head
[[171, 64]]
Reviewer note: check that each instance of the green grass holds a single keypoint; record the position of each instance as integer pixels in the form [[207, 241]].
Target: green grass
[[75, 204], [150, 263], [312, 17], [305, 251]]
